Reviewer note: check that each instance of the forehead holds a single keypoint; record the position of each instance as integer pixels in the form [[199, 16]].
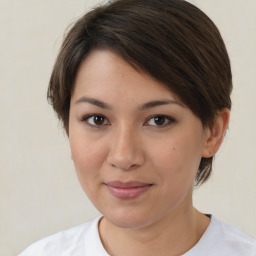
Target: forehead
[[104, 72]]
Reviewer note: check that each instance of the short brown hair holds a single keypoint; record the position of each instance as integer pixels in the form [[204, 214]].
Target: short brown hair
[[171, 40]]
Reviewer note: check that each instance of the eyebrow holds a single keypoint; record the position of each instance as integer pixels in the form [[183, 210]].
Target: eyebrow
[[156, 103], [93, 101], [150, 104]]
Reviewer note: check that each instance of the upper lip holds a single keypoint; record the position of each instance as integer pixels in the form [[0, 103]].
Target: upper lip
[[129, 184]]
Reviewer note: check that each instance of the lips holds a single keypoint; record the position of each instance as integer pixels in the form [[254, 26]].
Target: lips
[[127, 190]]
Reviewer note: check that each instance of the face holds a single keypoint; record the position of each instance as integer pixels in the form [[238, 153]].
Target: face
[[135, 146]]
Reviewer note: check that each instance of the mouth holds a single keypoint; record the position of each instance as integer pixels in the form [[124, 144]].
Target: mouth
[[127, 190]]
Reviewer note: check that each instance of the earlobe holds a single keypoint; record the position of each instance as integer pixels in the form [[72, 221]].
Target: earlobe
[[215, 135]]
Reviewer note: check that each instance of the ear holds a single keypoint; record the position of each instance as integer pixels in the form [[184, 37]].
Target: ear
[[214, 135]]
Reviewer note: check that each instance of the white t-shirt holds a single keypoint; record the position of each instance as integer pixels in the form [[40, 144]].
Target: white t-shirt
[[219, 239]]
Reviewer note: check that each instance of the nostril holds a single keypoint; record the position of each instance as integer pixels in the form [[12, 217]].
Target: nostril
[[126, 161], [125, 153], [124, 164]]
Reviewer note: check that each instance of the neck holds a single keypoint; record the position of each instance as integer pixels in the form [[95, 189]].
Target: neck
[[173, 235]]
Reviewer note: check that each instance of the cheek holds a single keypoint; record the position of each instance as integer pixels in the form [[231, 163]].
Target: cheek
[[87, 158], [85, 150], [177, 157]]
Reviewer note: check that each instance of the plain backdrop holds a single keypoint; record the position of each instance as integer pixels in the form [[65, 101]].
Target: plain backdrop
[[39, 191]]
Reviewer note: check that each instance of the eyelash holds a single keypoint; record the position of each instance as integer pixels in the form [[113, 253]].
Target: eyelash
[[167, 120], [86, 120]]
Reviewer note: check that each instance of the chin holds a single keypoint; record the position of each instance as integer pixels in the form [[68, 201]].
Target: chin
[[130, 220], [129, 223]]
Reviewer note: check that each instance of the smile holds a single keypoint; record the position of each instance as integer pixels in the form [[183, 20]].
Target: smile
[[127, 190]]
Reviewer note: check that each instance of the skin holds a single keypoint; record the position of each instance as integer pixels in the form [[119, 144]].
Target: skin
[[129, 143]]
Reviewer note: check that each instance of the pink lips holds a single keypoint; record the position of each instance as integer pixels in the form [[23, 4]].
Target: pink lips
[[127, 190]]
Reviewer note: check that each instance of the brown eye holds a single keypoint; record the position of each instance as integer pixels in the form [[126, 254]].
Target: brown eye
[[96, 120], [160, 121]]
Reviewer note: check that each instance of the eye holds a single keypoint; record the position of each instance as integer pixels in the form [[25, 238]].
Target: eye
[[95, 120], [160, 120]]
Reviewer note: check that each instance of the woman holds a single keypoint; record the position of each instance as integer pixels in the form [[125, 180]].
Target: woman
[[142, 88]]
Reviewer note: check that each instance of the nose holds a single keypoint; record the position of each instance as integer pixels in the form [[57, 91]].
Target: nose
[[125, 150]]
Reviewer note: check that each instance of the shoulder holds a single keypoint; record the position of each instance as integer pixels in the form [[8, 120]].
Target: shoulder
[[68, 242], [223, 239], [231, 233]]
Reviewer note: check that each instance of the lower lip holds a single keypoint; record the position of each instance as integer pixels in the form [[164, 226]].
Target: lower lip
[[128, 193]]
